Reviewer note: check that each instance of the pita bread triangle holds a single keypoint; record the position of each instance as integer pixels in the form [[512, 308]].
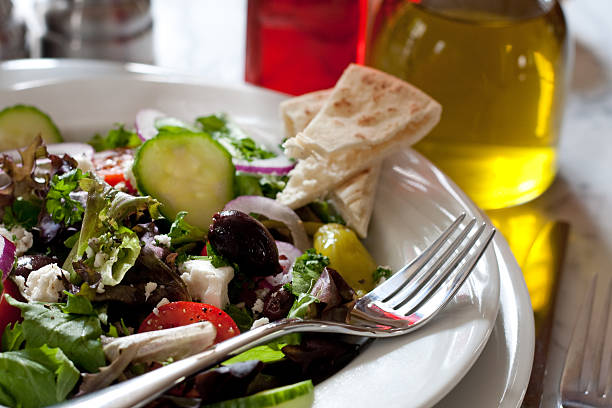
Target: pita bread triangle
[[367, 116]]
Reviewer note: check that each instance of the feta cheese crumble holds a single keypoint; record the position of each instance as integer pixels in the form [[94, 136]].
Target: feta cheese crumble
[[258, 306], [260, 322], [162, 240], [206, 283], [44, 284], [19, 236], [149, 288]]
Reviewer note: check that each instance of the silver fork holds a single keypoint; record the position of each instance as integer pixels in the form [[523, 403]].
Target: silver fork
[[403, 303], [587, 376]]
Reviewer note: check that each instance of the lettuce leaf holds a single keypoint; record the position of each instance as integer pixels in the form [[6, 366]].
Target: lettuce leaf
[[105, 213], [267, 353], [36, 377], [182, 232], [306, 270], [121, 253], [12, 338], [303, 307], [78, 335]]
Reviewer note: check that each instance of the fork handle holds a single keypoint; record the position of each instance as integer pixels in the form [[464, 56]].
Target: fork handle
[[144, 388]]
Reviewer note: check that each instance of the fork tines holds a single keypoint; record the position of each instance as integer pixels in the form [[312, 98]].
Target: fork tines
[[424, 286], [587, 378]]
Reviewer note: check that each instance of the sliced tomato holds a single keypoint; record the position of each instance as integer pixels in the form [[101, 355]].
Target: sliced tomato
[[183, 313], [112, 166], [9, 314], [115, 178]]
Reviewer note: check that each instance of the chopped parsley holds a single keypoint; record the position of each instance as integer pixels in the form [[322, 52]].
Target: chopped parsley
[[267, 185], [118, 137], [381, 272], [233, 138], [59, 204]]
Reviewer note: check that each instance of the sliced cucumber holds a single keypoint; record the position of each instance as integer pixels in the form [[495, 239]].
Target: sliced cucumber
[[19, 124], [186, 171], [298, 395]]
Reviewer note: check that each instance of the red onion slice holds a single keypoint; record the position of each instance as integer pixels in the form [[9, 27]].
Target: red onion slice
[[145, 123], [274, 211], [7, 256], [291, 252], [279, 165]]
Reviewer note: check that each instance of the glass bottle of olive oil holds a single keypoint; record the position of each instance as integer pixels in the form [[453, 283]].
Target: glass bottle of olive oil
[[499, 70]]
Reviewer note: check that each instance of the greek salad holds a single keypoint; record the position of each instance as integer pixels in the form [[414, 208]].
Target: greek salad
[[150, 244]]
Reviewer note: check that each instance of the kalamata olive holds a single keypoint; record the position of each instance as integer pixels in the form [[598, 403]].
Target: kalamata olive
[[242, 239], [29, 263], [277, 304]]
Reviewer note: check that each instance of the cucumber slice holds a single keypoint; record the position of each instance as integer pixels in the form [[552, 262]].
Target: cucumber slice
[[298, 395], [20, 124], [185, 171]]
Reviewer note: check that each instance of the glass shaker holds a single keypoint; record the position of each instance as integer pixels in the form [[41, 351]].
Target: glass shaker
[[499, 69], [119, 30], [12, 33]]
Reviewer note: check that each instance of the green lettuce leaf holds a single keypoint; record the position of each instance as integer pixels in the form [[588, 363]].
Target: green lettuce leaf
[[240, 316], [105, 212], [267, 353], [306, 271], [12, 338], [77, 335], [122, 249], [182, 232], [36, 377], [303, 307], [21, 212]]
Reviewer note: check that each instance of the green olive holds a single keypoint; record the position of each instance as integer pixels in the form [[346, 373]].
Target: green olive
[[347, 255]]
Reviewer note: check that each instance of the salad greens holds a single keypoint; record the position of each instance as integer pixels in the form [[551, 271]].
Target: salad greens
[[306, 270], [23, 213], [381, 272], [77, 334], [267, 185], [118, 137], [233, 138], [103, 233], [107, 286], [60, 205], [40, 376], [181, 232]]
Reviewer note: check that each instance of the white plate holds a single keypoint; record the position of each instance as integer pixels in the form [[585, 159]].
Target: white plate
[[415, 202]]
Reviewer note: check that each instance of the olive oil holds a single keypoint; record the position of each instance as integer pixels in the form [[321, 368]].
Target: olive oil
[[500, 77]]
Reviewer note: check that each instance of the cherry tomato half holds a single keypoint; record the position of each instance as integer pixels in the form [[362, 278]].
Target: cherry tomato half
[[9, 314], [183, 313]]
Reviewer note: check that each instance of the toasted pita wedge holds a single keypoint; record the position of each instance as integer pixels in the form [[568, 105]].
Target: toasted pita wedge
[[354, 198], [368, 116], [297, 112]]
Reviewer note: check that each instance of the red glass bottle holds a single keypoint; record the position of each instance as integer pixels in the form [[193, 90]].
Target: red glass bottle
[[298, 46]]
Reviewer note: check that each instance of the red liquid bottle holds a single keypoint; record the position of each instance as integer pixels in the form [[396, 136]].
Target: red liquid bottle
[[298, 46]]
